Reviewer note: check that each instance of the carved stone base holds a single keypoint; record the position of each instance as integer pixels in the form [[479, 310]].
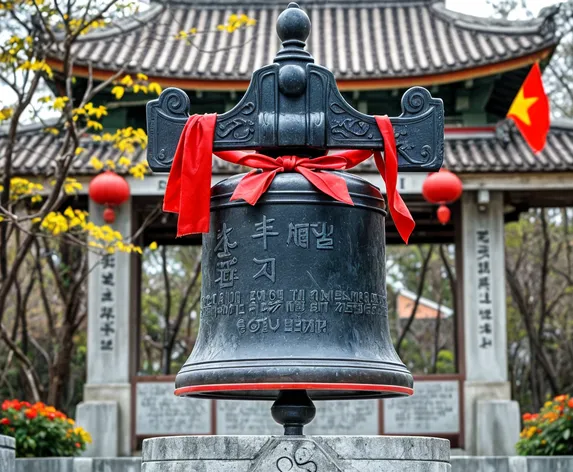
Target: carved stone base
[[7, 454], [296, 454]]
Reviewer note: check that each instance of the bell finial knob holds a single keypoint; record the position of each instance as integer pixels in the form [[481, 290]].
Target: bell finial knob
[[293, 24], [293, 28]]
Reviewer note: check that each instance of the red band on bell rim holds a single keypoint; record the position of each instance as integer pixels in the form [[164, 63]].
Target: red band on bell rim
[[293, 386]]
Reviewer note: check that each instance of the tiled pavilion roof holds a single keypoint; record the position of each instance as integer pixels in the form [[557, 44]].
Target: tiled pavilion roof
[[467, 151], [357, 40]]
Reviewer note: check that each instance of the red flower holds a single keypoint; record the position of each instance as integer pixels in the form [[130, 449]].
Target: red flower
[[5, 421], [535, 416], [51, 416], [527, 416], [31, 414], [15, 404], [570, 403], [78, 445]]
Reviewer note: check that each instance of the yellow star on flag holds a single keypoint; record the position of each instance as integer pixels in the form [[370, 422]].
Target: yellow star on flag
[[520, 107]]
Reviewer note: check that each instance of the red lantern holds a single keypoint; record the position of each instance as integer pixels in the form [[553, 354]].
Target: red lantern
[[442, 187], [111, 190]]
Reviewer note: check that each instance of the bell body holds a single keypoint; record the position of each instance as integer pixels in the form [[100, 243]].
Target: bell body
[[294, 297]]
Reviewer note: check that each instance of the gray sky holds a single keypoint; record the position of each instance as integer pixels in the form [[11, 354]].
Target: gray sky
[[481, 8]]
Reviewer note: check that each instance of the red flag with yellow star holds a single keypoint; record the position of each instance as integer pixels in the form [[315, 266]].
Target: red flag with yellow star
[[530, 110]]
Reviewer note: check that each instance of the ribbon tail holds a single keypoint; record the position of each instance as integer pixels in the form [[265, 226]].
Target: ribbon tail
[[188, 190], [253, 185], [388, 169], [172, 197], [328, 183]]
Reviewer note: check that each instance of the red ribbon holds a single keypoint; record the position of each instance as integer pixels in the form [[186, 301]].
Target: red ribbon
[[188, 188]]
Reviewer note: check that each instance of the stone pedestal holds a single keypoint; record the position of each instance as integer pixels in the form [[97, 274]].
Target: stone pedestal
[[296, 454], [102, 420], [7, 454], [497, 427]]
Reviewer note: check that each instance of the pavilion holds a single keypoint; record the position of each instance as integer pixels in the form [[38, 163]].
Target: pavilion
[[376, 49]]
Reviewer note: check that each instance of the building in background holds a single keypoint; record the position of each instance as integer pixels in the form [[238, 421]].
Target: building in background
[[376, 50]]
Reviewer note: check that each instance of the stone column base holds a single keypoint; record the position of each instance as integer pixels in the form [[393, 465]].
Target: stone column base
[[121, 395], [295, 454], [7, 454], [100, 419], [497, 431], [474, 392]]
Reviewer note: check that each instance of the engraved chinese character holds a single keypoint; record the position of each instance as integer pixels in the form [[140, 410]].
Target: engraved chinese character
[[107, 278], [485, 343], [224, 244], [485, 298], [483, 267], [485, 328], [107, 313], [264, 230], [483, 236], [107, 295], [483, 252], [106, 345], [108, 261], [298, 234], [483, 282], [227, 273], [323, 241], [485, 314], [267, 269], [107, 328]]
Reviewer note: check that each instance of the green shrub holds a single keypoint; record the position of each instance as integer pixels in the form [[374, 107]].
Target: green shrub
[[549, 432], [41, 431]]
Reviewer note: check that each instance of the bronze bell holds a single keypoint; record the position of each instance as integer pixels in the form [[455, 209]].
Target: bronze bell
[[293, 288], [294, 297]]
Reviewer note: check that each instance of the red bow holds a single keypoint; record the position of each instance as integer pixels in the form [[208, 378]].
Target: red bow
[[188, 188]]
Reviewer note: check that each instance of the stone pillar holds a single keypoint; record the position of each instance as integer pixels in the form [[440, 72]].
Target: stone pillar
[[484, 317], [7, 454], [110, 316], [296, 454]]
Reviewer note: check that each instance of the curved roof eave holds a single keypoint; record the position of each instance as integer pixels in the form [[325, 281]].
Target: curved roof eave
[[345, 84], [377, 45]]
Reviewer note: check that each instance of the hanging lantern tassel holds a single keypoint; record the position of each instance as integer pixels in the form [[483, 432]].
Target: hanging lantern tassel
[[441, 188], [109, 215], [111, 190], [444, 214]]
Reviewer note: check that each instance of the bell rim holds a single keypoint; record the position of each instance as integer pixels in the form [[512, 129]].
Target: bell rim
[[265, 386]]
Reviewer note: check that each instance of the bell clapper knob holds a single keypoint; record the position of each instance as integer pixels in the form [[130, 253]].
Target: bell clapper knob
[[293, 409]]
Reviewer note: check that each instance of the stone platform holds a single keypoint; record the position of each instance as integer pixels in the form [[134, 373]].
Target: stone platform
[[295, 454], [7, 454]]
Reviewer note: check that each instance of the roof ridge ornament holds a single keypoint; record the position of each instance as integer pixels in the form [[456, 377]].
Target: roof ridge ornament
[[294, 107]]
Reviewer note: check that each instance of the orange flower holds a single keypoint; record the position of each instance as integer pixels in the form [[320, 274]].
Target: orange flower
[[534, 417], [570, 403], [560, 398], [78, 445], [5, 421], [31, 413], [527, 417]]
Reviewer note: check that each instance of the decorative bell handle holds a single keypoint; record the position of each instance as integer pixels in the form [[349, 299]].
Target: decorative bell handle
[[294, 107]]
